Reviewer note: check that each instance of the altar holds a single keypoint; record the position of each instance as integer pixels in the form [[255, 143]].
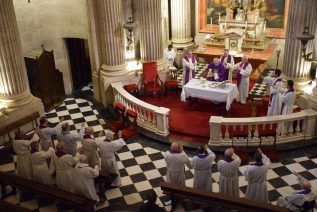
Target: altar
[[256, 58], [207, 90]]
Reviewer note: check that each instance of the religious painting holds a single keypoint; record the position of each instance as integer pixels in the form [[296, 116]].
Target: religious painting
[[274, 12]]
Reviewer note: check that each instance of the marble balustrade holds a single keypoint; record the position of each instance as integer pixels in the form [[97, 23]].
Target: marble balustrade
[[150, 117]]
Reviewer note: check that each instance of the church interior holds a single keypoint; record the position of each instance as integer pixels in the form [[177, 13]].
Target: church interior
[[158, 105]]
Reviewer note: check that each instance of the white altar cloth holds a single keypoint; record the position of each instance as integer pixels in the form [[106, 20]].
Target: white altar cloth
[[194, 89]]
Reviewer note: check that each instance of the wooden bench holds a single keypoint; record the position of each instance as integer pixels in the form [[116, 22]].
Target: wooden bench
[[9, 207], [216, 199], [31, 118], [79, 203]]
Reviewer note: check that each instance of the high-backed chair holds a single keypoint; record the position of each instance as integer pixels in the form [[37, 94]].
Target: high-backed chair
[[119, 123], [151, 80]]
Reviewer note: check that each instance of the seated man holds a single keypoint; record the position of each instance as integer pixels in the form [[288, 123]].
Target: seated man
[[298, 198], [216, 71]]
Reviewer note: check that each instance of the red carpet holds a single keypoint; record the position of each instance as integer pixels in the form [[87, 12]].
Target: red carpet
[[193, 124]]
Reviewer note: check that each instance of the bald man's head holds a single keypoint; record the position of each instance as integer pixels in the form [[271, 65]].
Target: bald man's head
[[245, 58], [228, 152], [89, 130], [306, 185], [216, 60], [175, 146], [109, 135], [65, 126]]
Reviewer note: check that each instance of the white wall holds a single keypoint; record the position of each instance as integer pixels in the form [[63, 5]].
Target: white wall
[[48, 22]]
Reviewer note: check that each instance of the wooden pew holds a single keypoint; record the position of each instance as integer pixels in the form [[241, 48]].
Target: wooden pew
[[216, 199], [79, 203], [9, 207], [31, 118]]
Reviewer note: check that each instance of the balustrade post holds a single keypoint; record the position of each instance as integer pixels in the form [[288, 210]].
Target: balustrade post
[[215, 130], [162, 120], [310, 124]]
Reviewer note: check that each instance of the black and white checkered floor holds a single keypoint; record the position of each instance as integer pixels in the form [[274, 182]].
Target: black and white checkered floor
[[142, 168], [258, 88]]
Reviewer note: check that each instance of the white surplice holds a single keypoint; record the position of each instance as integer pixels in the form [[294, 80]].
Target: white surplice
[[275, 104], [108, 159], [70, 140], [228, 180], [40, 168], [288, 100], [45, 135], [244, 83], [64, 168], [24, 166], [169, 57], [90, 149], [202, 166], [297, 199], [256, 178], [83, 182], [175, 164]]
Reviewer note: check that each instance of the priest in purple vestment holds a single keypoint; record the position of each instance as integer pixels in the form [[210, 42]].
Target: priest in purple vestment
[[216, 71]]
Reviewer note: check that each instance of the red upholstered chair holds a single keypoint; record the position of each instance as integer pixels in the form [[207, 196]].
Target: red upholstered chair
[[119, 123], [130, 128], [171, 85], [151, 80], [132, 89]]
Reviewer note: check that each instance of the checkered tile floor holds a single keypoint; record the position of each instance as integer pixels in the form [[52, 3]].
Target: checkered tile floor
[[142, 168], [258, 89]]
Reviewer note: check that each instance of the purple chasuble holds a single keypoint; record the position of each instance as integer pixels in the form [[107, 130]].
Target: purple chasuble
[[222, 73], [228, 159], [288, 91], [239, 75], [86, 136], [60, 153], [275, 81], [187, 70], [304, 192]]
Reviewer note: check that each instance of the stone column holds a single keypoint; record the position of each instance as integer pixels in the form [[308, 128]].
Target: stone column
[[300, 15], [181, 23], [14, 86], [111, 38], [151, 46]]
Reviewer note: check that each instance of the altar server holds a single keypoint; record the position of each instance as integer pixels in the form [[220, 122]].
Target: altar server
[[175, 160], [275, 95], [189, 62], [83, 182], [288, 98], [90, 147], [256, 175], [201, 163], [294, 201], [244, 70], [169, 56], [22, 148], [45, 133], [227, 60], [40, 168], [108, 149], [70, 139], [229, 170], [63, 164], [216, 71]]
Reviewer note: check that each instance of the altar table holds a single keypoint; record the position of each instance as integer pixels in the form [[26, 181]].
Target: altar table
[[194, 89]]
